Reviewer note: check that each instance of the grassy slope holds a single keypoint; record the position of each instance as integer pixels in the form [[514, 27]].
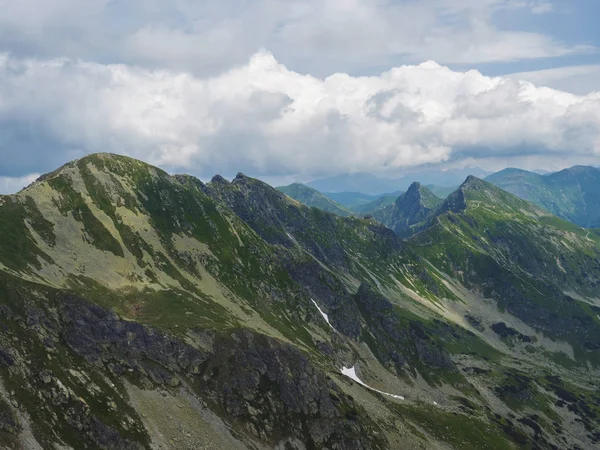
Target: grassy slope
[[313, 198], [519, 254], [375, 205], [167, 252], [572, 194]]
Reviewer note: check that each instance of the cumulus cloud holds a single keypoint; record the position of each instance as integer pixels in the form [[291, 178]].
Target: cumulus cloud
[[581, 80], [262, 118]]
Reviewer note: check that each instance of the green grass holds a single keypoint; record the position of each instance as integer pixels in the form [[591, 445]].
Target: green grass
[[459, 430]]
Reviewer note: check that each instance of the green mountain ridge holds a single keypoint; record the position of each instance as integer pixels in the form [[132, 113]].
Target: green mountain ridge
[[351, 199], [375, 205], [313, 198], [572, 194], [128, 295], [491, 231]]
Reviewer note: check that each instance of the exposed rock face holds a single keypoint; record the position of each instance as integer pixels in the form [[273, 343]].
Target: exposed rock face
[[409, 209], [8, 421], [276, 391], [99, 335], [269, 388], [405, 342], [329, 291]]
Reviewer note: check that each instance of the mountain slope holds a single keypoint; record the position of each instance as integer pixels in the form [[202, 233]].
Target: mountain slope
[[533, 263], [128, 295], [572, 194], [411, 208], [351, 199], [441, 191], [375, 205], [311, 197]]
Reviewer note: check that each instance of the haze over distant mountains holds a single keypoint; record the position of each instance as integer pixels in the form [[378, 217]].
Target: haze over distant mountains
[[367, 183], [572, 194]]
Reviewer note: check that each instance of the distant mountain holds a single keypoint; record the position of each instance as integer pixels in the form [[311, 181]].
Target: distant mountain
[[572, 194], [311, 197], [367, 183], [441, 191], [351, 199], [411, 208], [508, 248], [375, 205], [359, 203]]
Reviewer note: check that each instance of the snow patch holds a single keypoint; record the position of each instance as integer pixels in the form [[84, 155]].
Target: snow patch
[[325, 316], [560, 265], [351, 373]]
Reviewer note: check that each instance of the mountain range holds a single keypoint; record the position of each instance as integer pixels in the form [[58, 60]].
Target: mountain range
[[371, 184], [311, 197], [573, 194], [143, 310]]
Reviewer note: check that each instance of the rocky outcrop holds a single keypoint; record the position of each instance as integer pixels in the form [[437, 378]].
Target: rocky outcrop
[[270, 391], [99, 335], [275, 391], [409, 209], [325, 288], [402, 343]]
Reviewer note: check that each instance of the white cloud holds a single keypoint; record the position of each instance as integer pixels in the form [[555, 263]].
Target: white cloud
[[10, 185], [576, 79], [318, 36], [541, 7], [262, 118]]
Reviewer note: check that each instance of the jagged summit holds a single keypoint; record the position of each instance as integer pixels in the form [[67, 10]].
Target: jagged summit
[[415, 185], [472, 182], [477, 193], [218, 179], [410, 208]]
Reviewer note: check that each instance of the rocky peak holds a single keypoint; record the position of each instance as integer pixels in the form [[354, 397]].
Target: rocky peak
[[411, 208], [412, 194], [472, 182], [219, 180], [415, 186]]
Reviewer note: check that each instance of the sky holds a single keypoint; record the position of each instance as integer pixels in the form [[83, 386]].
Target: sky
[[299, 89]]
